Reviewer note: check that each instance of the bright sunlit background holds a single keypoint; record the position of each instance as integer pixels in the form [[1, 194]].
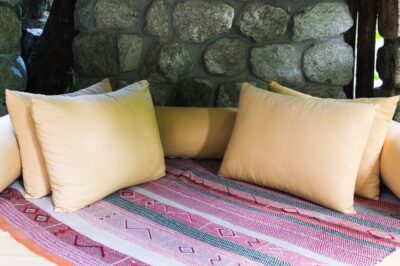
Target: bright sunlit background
[[379, 43]]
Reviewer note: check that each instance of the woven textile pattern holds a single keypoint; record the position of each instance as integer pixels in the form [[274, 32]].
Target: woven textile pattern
[[193, 217]]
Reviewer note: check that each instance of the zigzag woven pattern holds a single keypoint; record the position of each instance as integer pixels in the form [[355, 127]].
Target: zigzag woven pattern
[[194, 217]]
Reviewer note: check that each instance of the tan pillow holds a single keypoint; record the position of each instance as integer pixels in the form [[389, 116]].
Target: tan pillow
[[201, 133], [306, 147], [94, 145], [10, 161], [278, 88], [368, 179], [35, 177], [390, 159]]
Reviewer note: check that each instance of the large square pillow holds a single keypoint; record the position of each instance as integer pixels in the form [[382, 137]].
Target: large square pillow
[[368, 179], [390, 159], [200, 133], [10, 160], [94, 145], [35, 177], [306, 147]]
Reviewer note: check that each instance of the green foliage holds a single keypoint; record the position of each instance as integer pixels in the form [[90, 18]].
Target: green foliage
[[378, 36], [74, 81]]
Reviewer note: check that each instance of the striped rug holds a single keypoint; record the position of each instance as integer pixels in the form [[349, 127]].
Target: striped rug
[[194, 217]]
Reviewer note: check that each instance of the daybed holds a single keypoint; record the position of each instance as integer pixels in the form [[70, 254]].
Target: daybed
[[192, 215]]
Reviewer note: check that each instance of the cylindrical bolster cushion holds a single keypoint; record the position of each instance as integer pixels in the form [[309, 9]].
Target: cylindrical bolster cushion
[[390, 159], [10, 161], [199, 133]]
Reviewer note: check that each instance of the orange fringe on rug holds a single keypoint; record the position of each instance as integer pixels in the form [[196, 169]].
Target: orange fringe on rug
[[19, 237]]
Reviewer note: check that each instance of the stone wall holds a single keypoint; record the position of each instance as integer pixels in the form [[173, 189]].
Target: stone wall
[[196, 52], [388, 63], [12, 67]]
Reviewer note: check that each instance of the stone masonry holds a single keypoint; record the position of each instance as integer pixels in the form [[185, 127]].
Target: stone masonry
[[197, 52], [12, 67]]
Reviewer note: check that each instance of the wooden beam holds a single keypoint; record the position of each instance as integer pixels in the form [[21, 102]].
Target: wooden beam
[[350, 38], [368, 12]]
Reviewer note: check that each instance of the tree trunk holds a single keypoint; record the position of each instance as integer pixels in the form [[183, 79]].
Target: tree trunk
[[50, 65], [33, 13]]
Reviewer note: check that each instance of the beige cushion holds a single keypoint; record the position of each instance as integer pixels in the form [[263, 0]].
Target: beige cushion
[[201, 133], [10, 161], [94, 145], [368, 180], [390, 159], [306, 147], [278, 88], [35, 177]]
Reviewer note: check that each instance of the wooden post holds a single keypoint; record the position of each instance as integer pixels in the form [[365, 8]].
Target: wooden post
[[368, 11], [350, 38], [389, 16]]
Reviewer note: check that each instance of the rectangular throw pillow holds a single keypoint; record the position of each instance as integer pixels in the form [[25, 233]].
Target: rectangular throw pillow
[[94, 145], [368, 179], [306, 147], [200, 133], [10, 160], [390, 159], [35, 177]]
